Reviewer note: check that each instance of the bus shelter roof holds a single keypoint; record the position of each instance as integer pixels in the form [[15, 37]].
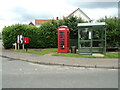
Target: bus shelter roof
[[91, 24]]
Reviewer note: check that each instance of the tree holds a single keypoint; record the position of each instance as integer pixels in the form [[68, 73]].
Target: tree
[[112, 31], [72, 22]]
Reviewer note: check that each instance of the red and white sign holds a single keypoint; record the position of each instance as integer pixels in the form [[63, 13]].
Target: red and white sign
[[20, 39], [26, 40]]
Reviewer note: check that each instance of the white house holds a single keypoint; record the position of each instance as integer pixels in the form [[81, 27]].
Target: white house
[[80, 14]]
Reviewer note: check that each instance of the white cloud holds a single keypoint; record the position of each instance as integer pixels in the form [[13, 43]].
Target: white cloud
[[24, 11], [95, 0], [101, 13]]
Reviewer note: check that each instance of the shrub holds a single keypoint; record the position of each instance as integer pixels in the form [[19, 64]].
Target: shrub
[[112, 31], [71, 22], [9, 34], [48, 35], [42, 37]]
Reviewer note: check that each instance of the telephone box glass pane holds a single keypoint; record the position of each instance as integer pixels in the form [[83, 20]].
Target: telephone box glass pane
[[62, 41]]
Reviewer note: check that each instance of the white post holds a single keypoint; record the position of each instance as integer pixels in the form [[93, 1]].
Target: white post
[[18, 46], [90, 33], [23, 46], [15, 46]]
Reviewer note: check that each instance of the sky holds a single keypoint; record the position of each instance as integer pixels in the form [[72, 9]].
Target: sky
[[25, 11]]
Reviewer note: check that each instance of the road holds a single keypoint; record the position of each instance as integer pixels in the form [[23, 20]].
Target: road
[[21, 74]]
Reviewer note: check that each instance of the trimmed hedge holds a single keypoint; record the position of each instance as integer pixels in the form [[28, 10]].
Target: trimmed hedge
[[10, 33], [48, 36], [42, 37]]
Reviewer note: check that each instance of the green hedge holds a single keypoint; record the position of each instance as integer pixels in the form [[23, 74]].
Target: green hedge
[[48, 37], [9, 34], [42, 37]]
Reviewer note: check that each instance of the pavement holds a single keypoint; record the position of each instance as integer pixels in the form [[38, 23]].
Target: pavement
[[64, 61]]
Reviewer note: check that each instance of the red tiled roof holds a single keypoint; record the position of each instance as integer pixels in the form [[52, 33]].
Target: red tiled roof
[[40, 21], [31, 24]]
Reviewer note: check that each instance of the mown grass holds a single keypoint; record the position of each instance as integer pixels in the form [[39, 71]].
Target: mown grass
[[38, 51], [108, 55], [52, 50]]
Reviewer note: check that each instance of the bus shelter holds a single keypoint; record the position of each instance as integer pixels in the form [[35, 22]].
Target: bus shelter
[[92, 38]]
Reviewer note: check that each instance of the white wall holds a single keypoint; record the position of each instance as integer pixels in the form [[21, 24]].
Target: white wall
[[81, 15]]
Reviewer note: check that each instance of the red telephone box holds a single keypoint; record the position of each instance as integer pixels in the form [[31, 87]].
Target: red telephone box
[[26, 39], [63, 39]]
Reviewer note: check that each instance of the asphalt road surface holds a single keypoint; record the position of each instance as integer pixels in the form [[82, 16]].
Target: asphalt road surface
[[21, 74]]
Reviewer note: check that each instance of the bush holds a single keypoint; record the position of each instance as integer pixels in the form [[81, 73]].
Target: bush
[[9, 34], [48, 35], [42, 37], [112, 31], [71, 22]]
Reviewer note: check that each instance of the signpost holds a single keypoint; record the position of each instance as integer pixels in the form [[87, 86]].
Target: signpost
[[19, 40], [15, 45], [22, 40]]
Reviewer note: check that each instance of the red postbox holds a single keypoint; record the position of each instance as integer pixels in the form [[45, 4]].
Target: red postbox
[[26, 40], [63, 39]]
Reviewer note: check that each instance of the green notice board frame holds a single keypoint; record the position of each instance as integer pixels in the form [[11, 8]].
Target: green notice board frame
[[92, 38]]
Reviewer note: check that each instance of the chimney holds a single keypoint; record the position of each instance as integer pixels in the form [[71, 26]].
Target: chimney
[[57, 18]]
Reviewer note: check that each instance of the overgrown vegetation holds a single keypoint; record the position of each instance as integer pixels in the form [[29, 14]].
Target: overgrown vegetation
[[112, 31]]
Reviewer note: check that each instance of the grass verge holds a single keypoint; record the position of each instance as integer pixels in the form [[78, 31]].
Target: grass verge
[[38, 51], [52, 50], [108, 55]]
